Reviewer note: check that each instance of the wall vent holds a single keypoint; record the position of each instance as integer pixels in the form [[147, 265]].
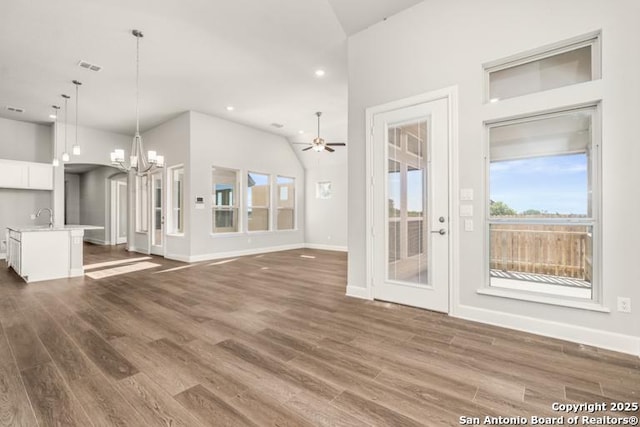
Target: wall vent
[[15, 109], [89, 66], [277, 125]]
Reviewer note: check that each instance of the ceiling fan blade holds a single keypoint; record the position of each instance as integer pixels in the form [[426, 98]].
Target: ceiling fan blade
[[336, 144], [329, 149], [308, 148]]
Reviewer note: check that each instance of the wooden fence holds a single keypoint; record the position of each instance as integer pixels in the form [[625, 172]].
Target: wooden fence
[[543, 249]]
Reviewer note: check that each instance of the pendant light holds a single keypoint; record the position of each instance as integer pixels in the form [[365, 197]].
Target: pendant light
[[76, 147], [55, 162], [138, 161], [65, 154]]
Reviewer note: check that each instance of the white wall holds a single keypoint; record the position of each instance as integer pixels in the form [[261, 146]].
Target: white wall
[[95, 203], [170, 139], [96, 146], [218, 142], [72, 197], [441, 44], [26, 142], [326, 219]]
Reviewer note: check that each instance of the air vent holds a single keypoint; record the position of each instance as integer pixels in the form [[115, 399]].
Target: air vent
[[15, 109], [89, 66], [277, 125]]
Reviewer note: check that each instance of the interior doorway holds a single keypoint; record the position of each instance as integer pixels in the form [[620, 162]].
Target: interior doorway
[[119, 196]]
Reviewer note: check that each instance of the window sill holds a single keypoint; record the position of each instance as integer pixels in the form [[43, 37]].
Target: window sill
[[175, 234], [543, 299]]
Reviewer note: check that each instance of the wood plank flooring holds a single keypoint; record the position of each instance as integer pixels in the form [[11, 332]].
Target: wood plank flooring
[[269, 340]]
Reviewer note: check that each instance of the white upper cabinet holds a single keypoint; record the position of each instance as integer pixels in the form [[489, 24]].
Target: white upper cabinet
[[26, 175]]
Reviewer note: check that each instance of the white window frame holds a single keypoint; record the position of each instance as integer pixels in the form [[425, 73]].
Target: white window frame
[[270, 226], [595, 303], [278, 208], [238, 205], [171, 208], [592, 39]]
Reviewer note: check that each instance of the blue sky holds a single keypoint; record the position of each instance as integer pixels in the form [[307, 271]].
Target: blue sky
[[555, 184]]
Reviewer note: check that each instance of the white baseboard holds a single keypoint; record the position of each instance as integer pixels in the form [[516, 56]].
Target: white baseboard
[[579, 334], [326, 247], [183, 258], [96, 241], [358, 292], [245, 252]]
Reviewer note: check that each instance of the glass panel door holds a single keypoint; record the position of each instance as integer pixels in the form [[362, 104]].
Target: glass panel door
[[157, 215]]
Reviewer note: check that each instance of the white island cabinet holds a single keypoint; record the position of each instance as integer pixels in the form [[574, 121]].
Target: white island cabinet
[[46, 253]]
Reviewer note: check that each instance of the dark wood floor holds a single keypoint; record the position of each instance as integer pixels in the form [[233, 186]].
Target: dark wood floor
[[270, 340]]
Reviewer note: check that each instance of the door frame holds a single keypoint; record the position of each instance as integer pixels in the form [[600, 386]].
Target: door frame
[[451, 95], [151, 212], [115, 208]]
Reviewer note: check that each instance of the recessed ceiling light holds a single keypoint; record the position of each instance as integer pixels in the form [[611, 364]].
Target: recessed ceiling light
[[320, 73], [492, 100], [52, 116], [230, 108], [300, 132]]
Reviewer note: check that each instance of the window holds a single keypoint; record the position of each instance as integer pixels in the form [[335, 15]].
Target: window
[[286, 203], [574, 61], [142, 204], [225, 200], [258, 195], [176, 197], [543, 204]]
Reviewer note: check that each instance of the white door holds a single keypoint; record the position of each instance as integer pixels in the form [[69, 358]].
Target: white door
[[121, 212], [411, 206], [157, 215]]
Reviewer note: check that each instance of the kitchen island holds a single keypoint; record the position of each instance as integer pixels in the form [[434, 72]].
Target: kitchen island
[[39, 253]]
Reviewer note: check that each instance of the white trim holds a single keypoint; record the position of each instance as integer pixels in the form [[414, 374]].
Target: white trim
[[358, 292], [233, 254], [594, 337], [326, 247], [585, 304], [3, 255], [451, 94], [176, 257], [76, 272], [97, 241]]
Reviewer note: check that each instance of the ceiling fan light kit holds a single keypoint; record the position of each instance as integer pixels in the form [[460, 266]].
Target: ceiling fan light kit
[[318, 144]]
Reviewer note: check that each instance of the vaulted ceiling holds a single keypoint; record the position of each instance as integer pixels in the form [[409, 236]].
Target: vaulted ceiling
[[259, 56]]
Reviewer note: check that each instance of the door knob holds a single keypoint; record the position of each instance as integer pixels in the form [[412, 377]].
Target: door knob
[[441, 232]]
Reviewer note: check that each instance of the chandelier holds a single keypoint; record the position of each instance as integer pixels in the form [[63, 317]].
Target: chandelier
[[139, 162]]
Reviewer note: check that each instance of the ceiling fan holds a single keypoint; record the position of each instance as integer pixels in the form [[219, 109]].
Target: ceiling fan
[[318, 144]]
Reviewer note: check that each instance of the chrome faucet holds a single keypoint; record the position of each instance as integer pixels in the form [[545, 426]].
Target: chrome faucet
[[50, 215]]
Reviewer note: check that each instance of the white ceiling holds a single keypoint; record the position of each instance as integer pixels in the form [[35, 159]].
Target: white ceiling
[[202, 55]]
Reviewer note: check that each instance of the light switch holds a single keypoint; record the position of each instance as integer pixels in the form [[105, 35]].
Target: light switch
[[468, 225], [466, 210], [466, 194]]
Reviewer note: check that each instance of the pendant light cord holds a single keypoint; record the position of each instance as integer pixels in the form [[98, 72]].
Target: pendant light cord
[[77, 102], [65, 123], [137, 84]]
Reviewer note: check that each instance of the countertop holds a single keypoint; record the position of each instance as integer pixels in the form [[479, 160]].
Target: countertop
[[30, 228]]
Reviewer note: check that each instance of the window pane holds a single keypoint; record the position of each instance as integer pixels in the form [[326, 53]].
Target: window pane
[[225, 200], [258, 219], [225, 220], [142, 204], [177, 201], [541, 220], [406, 179], [286, 203], [552, 72], [541, 168], [553, 259], [258, 194]]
